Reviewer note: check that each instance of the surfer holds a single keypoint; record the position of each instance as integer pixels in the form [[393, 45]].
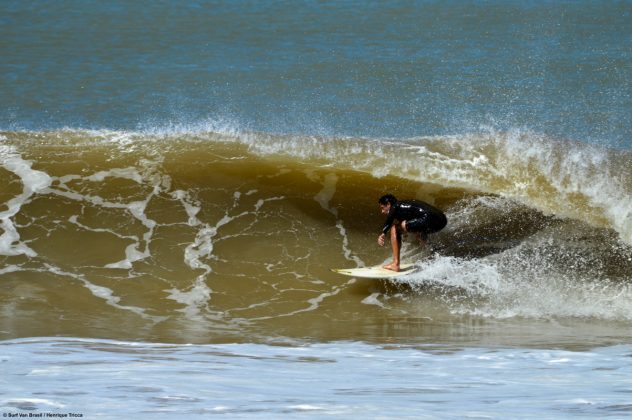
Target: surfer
[[408, 216]]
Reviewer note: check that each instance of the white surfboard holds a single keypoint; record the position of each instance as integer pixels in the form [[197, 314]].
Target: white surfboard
[[376, 272]]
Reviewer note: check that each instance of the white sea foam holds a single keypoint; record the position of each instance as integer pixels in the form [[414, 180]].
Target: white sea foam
[[191, 206], [195, 299], [340, 380], [9, 269], [476, 277], [507, 286], [372, 299], [123, 173], [34, 182]]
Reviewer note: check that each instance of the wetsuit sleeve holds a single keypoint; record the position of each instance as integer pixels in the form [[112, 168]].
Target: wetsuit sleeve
[[390, 218]]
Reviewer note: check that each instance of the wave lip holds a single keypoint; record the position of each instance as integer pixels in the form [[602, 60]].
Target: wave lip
[[564, 178]]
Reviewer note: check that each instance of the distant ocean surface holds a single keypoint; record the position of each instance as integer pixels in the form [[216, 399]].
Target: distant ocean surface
[[178, 178], [377, 69]]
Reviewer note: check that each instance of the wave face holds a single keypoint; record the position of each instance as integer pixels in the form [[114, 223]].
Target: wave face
[[204, 235]]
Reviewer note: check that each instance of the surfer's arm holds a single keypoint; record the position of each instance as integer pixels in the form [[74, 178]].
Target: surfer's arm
[[389, 221], [381, 240]]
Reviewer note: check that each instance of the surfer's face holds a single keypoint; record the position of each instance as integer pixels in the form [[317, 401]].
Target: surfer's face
[[384, 208]]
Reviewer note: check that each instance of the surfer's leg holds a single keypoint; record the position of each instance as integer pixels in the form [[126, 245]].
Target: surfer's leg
[[420, 228], [396, 244]]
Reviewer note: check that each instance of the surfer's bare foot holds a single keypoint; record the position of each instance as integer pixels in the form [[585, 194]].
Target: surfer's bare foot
[[392, 266]]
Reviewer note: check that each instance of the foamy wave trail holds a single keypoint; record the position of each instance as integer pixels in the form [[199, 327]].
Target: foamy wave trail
[[33, 182], [513, 285]]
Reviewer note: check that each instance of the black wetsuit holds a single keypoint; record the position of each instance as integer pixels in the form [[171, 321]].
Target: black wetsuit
[[419, 217]]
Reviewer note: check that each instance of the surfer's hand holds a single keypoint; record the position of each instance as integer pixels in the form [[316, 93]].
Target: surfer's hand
[[381, 239]]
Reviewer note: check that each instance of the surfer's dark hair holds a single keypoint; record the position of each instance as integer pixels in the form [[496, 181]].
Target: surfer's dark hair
[[386, 199]]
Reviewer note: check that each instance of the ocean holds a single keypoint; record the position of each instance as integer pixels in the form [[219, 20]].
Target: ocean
[[177, 179]]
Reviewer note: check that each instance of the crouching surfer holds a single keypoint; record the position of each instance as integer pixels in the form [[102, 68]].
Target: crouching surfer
[[407, 216]]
